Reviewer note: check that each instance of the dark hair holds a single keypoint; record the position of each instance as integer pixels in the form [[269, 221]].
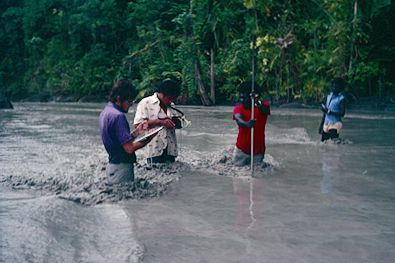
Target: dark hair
[[169, 87], [339, 84], [245, 87], [124, 89]]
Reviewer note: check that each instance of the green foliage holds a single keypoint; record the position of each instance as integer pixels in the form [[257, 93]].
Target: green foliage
[[77, 48]]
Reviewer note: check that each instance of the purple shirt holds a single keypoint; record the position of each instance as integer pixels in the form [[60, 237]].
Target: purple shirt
[[115, 132]]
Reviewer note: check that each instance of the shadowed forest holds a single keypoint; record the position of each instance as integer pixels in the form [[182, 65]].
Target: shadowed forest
[[73, 50]]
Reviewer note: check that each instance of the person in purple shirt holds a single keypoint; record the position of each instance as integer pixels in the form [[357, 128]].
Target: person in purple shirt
[[116, 136]]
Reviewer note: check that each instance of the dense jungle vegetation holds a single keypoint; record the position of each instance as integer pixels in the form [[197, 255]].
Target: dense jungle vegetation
[[76, 48]]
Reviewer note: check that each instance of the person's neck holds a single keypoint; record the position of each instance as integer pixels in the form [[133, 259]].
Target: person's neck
[[118, 106], [161, 101], [246, 106]]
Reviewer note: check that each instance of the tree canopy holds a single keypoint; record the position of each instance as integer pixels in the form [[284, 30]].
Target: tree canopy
[[77, 48]]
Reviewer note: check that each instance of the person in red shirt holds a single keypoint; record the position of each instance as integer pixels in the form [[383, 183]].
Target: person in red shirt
[[242, 116]]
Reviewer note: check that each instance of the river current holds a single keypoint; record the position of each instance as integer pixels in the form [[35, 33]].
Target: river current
[[314, 202]]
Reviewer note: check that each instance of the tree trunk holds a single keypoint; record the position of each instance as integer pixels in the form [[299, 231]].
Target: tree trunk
[[198, 79], [196, 63], [350, 64], [212, 75], [5, 103]]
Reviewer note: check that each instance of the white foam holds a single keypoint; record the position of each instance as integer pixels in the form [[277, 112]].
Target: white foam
[[207, 134], [220, 163], [275, 135]]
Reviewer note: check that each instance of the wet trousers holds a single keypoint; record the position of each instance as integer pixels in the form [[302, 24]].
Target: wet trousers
[[240, 158], [119, 173], [164, 158]]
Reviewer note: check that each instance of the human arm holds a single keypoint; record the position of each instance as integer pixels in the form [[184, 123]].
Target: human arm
[[167, 122], [121, 133], [130, 146], [340, 113], [140, 128], [327, 106], [263, 106], [142, 114], [324, 109], [242, 123]]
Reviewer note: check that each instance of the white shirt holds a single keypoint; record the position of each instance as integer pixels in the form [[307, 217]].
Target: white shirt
[[149, 109]]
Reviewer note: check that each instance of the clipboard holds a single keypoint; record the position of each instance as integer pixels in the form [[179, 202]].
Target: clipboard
[[149, 134]]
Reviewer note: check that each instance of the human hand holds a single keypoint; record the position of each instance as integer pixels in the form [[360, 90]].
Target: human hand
[[324, 108], [140, 129], [168, 123], [250, 123], [177, 122], [254, 95]]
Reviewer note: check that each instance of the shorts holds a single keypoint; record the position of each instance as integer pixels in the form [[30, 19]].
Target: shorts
[[119, 173], [240, 158], [331, 134], [331, 131], [337, 126]]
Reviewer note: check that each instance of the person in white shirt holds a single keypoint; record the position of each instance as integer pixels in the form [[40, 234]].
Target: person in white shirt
[[156, 110]]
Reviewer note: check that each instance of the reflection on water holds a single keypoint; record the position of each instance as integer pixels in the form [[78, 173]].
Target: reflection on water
[[248, 192], [331, 157], [313, 203]]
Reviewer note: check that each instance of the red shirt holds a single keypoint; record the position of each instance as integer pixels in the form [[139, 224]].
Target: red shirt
[[244, 137]]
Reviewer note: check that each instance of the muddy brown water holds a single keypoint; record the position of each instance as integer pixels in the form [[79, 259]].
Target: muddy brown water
[[314, 202]]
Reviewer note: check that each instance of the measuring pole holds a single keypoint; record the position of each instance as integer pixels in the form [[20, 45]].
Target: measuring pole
[[253, 84], [252, 104]]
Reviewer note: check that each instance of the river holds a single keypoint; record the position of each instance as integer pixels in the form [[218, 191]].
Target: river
[[315, 202]]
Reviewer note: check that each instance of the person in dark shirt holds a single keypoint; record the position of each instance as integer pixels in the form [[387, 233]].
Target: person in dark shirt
[[116, 136]]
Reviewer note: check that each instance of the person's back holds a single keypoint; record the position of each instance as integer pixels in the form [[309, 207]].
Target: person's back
[[334, 109], [334, 104]]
